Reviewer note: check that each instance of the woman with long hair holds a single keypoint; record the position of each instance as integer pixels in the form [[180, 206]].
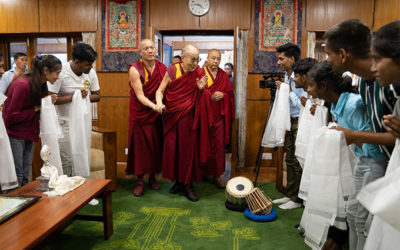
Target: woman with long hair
[[22, 110], [386, 67]]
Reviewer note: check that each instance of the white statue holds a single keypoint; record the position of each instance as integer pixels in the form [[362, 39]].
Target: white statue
[[47, 169], [61, 184]]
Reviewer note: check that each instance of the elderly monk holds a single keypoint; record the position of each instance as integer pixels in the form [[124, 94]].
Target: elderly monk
[[145, 125], [220, 89], [185, 102]]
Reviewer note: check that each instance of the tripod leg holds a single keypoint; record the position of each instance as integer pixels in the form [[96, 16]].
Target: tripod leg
[[261, 149]]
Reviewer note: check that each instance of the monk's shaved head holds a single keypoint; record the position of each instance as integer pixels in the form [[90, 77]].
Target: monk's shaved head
[[147, 50], [214, 59], [190, 58], [212, 51], [189, 49], [144, 42]]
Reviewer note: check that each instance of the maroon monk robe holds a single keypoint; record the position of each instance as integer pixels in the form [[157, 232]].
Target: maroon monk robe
[[222, 112], [185, 113], [145, 126]]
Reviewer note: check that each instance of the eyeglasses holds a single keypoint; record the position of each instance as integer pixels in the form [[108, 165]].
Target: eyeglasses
[[193, 60]]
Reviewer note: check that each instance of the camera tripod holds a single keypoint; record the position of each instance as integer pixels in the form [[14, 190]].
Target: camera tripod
[[261, 149]]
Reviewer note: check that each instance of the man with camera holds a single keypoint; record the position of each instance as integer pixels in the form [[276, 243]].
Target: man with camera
[[288, 54]]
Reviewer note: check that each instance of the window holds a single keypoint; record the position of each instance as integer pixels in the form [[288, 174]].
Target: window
[[53, 46], [16, 47]]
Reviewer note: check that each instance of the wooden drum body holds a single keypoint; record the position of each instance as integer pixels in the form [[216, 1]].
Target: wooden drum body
[[258, 203]]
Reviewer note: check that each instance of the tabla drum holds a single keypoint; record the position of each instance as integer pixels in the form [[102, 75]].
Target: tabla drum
[[258, 202], [236, 190]]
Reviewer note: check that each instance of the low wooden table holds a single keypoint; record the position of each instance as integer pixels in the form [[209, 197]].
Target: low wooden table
[[49, 215]]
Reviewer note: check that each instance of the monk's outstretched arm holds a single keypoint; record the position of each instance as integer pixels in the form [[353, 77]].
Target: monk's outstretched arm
[[136, 84], [160, 92]]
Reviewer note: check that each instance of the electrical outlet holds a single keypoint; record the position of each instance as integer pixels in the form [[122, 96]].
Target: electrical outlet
[[126, 151], [267, 156]]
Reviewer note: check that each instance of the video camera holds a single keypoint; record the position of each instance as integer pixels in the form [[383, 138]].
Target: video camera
[[269, 80]]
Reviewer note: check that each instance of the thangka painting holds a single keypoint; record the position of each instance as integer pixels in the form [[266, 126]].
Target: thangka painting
[[122, 30], [122, 26], [277, 22]]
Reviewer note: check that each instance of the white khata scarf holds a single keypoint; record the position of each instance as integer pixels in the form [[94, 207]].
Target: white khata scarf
[[80, 126]]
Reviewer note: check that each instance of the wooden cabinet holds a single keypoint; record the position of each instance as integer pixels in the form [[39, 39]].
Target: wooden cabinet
[[22, 16], [386, 11], [321, 15], [223, 15], [68, 16], [19, 16]]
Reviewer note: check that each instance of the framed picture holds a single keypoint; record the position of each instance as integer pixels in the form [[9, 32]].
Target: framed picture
[[11, 205]]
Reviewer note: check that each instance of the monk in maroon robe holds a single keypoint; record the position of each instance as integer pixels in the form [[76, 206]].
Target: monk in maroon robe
[[145, 125], [184, 118], [221, 92]]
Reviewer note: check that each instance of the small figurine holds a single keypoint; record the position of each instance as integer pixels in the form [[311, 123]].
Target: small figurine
[[46, 170], [53, 183]]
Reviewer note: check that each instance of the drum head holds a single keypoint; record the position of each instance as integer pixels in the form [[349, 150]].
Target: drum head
[[239, 186]]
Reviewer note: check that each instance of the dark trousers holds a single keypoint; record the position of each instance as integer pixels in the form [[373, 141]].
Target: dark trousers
[[293, 167], [22, 151]]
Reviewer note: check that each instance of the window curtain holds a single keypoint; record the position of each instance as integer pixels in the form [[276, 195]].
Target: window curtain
[[311, 40]]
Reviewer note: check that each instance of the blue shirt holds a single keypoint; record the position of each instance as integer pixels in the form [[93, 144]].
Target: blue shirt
[[7, 79], [294, 96], [350, 112]]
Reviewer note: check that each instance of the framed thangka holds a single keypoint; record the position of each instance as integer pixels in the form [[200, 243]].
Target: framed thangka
[[122, 25], [278, 21], [122, 30]]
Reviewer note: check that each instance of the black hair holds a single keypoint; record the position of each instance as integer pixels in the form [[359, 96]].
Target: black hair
[[323, 74], [179, 57], [290, 50], [352, 35], [38, 63], [18, 55], [1, 56], [302, 66], [229, 64], [83, 52], [386, 40]]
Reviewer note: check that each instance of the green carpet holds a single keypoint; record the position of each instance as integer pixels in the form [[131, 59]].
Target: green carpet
[[159, 220]]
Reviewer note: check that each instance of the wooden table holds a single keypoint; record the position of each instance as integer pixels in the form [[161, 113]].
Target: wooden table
[[51, 215]]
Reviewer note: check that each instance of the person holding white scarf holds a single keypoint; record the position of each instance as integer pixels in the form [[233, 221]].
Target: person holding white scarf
[[350, 113], [382, 197], [288, 54], [22, 110], [77, 87]]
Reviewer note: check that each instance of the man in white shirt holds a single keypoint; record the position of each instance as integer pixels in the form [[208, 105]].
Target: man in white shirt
[[75, 75], [288, 54], [20, 60]]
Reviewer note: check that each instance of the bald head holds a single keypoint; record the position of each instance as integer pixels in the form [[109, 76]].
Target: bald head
[[214, 59], [189, 49], [145, 42], [214, 51], [147, 50], [190, 58]]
